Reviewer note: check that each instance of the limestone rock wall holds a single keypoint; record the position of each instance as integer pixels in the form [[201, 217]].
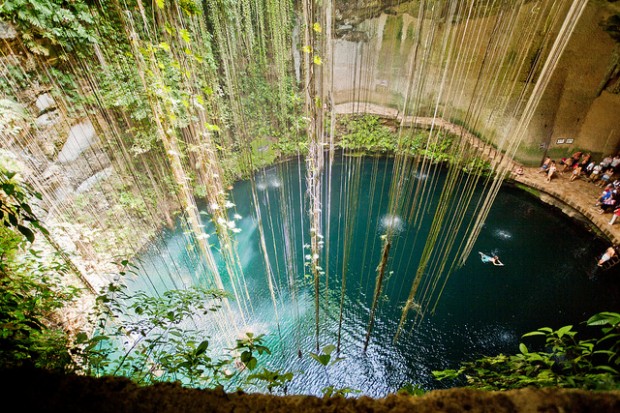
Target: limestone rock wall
[[581, 102]]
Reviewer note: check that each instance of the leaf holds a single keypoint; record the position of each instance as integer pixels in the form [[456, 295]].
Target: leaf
[[160, 4], [27, 232], [9, 189], [317, 27], [607, 369], [323, 359], [202, 347], [252, 363], [26, 208], [263, 350], [604, 318], [523, 348], [533, 333], [564, 330], [317, 60], [328, 349], [185, 35]]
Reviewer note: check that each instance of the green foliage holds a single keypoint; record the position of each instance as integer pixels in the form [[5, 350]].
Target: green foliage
[[439, 150], [272, 114], [326, 359], [159, 344], [31, 288], [263, 153], [330, 391], [366, 133], [50, 24], [325, 356], [133, 203], [272, 379], [14, 76], [15, 210], [249, 347], [565, 362], [478, 166], [12, 117], [31, 292], [412, 390], [287, 146]]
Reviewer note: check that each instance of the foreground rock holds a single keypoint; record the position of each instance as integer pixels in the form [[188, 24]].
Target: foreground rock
[[39, 391]]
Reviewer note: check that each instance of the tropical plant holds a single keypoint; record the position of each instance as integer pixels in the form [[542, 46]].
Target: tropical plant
[[15, 210], [31, 287], [566, 361], [366, 133], [249, 347], [326, 359], [150, 338], [271, 379], [47, 24], [412, 390]]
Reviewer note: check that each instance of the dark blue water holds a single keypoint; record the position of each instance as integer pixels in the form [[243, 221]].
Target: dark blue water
[[549, 278]]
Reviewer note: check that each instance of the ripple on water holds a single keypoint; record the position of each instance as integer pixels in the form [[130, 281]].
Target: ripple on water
[[502, 234]]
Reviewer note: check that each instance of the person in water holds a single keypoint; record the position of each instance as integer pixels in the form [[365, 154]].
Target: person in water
[[494, 259]]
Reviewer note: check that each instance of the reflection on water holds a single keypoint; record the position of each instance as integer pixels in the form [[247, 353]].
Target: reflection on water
[[484, 310]]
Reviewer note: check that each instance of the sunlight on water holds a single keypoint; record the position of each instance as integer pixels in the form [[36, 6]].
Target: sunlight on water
[[392, 222]]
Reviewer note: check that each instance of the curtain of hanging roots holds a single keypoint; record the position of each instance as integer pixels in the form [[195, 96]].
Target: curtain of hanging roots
[[192, 74]]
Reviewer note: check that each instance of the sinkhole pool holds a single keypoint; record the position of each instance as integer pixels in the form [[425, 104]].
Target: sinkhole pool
[[549, 278]]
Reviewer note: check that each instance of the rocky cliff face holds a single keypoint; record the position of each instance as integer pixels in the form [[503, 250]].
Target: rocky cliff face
[[582, 101], [577, 110]]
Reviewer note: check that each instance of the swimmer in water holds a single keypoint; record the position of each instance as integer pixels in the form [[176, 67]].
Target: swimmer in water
[[494, 259]]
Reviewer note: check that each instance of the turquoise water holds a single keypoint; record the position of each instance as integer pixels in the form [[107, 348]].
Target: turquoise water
[[549, 279]]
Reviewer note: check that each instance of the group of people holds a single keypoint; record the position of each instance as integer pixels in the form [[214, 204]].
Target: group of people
[[581, 165], [604, 174], [609, 200]]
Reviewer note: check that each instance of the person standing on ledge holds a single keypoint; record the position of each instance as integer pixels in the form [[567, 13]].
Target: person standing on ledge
[[551, 171]]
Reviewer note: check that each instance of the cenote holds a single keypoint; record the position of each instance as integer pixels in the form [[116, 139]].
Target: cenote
[[549, 279]]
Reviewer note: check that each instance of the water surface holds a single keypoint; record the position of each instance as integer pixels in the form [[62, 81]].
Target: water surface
[[549, 278]]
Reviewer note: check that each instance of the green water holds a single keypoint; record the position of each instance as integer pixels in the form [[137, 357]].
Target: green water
[[549, 279]]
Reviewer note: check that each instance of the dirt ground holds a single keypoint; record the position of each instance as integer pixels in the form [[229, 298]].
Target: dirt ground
[[38, 391]]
